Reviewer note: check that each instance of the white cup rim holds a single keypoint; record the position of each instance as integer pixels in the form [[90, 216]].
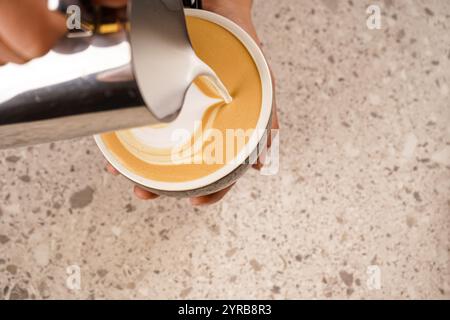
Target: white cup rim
[[265, 114]]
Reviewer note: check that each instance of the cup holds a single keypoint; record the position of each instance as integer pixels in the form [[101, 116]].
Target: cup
[[230, 172]]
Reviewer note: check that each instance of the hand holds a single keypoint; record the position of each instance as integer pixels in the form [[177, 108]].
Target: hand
[[29, 30], [238, 11]]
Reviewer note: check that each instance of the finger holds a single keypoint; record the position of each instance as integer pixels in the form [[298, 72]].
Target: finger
[[140, 193], [8, 55], [261, 160], [271, 135], [3, 61], [112, 170], [210, 199], [275, 125], [144, 194], [28, 28]]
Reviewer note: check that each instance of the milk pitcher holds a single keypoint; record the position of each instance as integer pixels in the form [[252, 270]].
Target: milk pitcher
[[100, 77]]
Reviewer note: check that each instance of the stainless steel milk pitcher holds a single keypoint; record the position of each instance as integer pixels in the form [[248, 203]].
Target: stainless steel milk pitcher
[[87, 84]]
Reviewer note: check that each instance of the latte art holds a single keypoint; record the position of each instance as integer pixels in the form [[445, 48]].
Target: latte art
[[175, 152], [160, 144]]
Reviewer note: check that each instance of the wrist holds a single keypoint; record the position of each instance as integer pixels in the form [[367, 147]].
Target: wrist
[[240, 11]]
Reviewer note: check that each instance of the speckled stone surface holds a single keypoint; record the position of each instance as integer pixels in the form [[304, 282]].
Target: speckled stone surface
[[364, 181]]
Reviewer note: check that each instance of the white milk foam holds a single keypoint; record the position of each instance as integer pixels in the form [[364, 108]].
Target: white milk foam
[[140, 141]]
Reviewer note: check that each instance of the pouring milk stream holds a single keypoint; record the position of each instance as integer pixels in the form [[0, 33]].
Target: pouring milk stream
[[168, 69]]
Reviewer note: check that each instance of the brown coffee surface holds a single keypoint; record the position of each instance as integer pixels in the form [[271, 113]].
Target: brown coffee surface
[[231, 61]]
